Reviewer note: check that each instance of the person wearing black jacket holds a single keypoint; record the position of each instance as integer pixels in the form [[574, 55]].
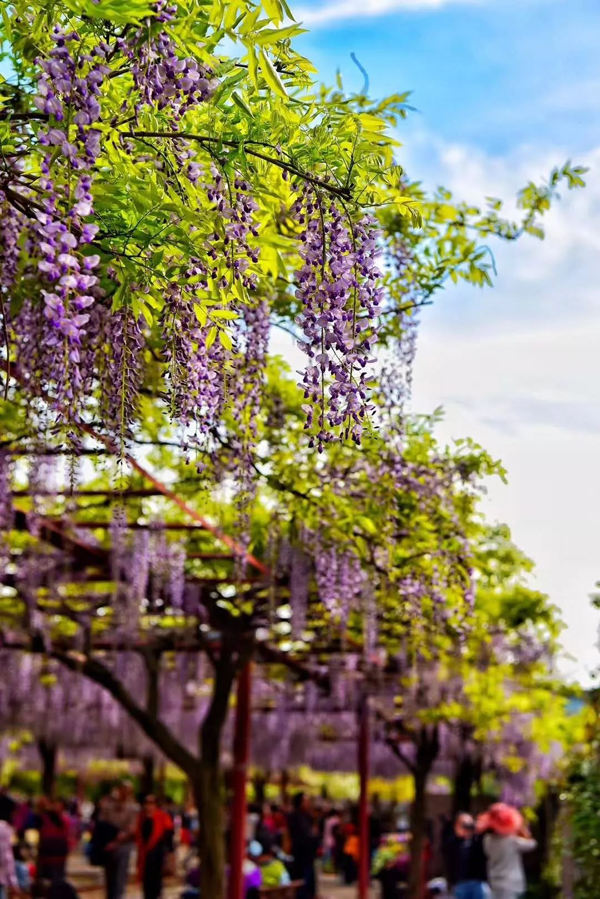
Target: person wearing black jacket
[[466, 860], [305, 843]]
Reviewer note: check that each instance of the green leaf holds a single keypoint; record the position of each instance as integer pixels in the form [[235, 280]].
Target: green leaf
[[252, 65], [273, 9], [147, 313], [271, 75], [226, 341], [242, 105], [226, 314], [272, 35], [201, 314]]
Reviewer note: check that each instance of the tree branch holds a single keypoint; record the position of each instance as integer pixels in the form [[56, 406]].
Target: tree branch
[[400, 755], [333, 189], [154, 729], [210, 730], [152, 664]]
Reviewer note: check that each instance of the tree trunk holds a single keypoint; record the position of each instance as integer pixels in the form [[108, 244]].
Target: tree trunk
[[47, 753], [259, 783], [418, 821], [209, 800], [465, 776], [283, 787], [428, 747], [147, 779], [162, 781], [208, 782]]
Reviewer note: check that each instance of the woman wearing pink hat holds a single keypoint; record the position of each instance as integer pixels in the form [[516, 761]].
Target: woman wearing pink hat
[[506, 839]]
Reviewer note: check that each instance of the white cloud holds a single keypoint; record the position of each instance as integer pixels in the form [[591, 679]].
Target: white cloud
[[518, 369], [533, 400], [339, 10]]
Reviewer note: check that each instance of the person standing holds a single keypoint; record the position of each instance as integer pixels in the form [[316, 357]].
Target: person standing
[[465, 860], [304, 845], [8, 872], [119, 812], [332, 822], [53, 845], [154, 840], [505, 841]]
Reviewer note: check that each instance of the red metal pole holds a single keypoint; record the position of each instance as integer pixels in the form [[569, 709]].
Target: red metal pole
[[363, 808], [241, 747]]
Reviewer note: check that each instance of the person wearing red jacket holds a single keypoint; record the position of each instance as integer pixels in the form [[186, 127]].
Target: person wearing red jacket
[[54, 841], [154, 841]]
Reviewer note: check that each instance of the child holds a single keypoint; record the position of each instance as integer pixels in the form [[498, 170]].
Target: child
[[273, 871]]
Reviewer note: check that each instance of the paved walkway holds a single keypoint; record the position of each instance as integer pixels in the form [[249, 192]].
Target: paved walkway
[[89, 883]]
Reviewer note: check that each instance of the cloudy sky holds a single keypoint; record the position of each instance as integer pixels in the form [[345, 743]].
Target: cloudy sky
[[505, 89]]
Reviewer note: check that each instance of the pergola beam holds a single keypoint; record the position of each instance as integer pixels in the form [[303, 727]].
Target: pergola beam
[[97, 525], [130, 492]]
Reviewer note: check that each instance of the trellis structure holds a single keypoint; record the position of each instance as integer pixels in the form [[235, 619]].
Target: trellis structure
[[88, 562]]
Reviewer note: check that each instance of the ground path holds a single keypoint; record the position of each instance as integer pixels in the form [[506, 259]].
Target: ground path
[[89, 883]]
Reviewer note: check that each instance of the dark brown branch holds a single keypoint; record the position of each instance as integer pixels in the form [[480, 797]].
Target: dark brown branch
[[273, 656], [333, 189], [154, 729], [67, 491], [394, 746], [152, 665]]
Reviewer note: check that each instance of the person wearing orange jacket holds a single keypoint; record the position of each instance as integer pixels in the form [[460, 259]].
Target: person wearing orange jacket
[[154, 841]]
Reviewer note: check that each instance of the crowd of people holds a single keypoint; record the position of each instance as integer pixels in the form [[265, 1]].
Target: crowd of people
[[477, 859], [286, 844], [36, 840], [485, 856]]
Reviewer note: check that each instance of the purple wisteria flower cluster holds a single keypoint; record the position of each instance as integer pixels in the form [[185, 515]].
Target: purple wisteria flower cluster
[[148, 571], [245, 394], [11, 228], [123, 372], [193, 371], [339, 577], [68, 92], [340, 297], [162, 79], [6, 509], [236, 208]]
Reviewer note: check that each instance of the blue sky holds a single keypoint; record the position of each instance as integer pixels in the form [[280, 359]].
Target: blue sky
[[505, 90], [494, 73]]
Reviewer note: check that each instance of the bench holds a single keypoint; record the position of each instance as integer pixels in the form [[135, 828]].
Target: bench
[[281, 892]]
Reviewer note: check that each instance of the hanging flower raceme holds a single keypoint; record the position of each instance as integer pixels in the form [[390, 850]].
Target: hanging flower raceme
[[123, 372], [193, 365], [236, 207], [12, 223], [163, 79], [340, 295], [339, 576], [245, 397], [6, 509], [69, 94], [300, 577]]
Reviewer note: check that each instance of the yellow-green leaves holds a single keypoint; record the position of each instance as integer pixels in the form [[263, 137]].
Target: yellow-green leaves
[[269, 36], [277, 10], [271, 75], [119, 11]]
